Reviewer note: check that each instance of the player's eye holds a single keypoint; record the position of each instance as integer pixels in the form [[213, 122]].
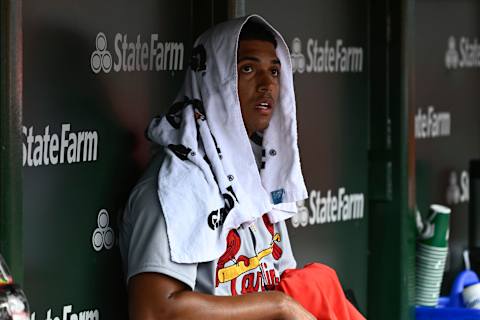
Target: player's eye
[[275, 72], [246, 68]]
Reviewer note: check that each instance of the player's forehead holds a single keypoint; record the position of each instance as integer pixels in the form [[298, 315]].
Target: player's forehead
[[257, 51]]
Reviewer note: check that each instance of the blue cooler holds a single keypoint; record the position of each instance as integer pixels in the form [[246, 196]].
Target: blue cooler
[[452, 308]]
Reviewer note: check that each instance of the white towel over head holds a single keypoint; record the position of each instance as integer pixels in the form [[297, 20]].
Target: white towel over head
[[209, 182]]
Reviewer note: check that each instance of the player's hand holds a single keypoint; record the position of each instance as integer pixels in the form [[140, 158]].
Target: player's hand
[[295, 311]]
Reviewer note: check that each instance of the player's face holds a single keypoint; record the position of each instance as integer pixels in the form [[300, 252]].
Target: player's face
[[258, 83]]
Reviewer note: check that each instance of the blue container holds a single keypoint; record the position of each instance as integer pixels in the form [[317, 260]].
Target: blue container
[[452, 308]]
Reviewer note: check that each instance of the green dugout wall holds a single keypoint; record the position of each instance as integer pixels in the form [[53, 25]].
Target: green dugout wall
[[94, 74], [447, 116], [80, 81], [10, 122]]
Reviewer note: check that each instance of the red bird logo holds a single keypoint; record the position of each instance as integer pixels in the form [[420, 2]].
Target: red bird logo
[[234, 243], [277, 251]]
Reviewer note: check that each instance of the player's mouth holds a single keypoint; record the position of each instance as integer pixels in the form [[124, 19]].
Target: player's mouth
[[264, 105]]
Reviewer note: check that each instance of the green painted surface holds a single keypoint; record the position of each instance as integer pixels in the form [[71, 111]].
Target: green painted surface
[[10, 128], [447, 92], [83, 139], [392, 228]]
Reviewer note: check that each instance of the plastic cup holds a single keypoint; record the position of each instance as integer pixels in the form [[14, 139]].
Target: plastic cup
[[432, 251], [439, 218]]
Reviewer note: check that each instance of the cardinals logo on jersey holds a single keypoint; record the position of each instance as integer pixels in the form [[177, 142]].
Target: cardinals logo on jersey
[[231, 267]]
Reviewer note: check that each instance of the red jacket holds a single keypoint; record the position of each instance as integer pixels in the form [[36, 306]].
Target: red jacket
[[317, 288]]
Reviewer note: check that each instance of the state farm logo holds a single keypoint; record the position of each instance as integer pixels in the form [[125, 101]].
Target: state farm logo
[[458, 190], [137, 55], [298, 59], [326, 57], [101, 59], [45, 146], [103, 236], [67, 313], [329, 207], [466, 56], [451, 56], [432, 124]]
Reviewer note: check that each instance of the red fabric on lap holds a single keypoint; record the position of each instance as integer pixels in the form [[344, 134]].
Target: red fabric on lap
[[317, 288]]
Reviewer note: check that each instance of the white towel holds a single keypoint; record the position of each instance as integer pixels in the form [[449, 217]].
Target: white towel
[[209, 182]]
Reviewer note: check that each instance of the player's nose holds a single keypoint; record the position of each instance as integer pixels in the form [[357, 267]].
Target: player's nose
[[265, 81]]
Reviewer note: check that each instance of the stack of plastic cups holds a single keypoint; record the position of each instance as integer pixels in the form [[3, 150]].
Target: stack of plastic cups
[[432, 252]]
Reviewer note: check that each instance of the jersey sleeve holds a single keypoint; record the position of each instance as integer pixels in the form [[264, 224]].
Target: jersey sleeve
[[287, 261], [143, 237]]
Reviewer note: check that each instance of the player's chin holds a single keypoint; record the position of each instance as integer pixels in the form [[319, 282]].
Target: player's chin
[[263, 125]]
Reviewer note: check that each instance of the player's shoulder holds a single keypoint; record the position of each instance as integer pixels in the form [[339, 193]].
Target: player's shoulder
[[151, 172], [144, 193], [150, 175]]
